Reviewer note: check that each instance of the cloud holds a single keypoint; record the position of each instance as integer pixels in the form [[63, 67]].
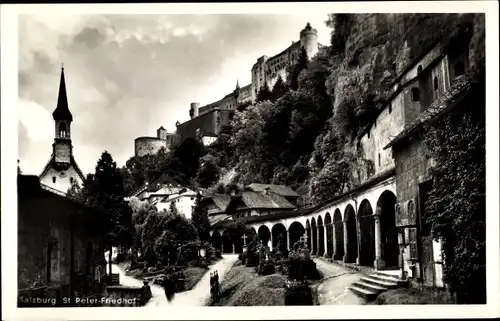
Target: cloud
[[127, 75]]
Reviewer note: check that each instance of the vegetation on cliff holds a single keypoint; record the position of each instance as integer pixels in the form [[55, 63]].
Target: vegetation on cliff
[[456, 208]]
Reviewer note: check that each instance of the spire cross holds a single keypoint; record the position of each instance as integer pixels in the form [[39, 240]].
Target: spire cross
[[62, 66]]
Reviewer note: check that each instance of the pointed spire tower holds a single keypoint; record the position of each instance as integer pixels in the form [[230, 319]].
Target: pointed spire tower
[[236, 91], [62, 171], [62, 110], [62, 121]]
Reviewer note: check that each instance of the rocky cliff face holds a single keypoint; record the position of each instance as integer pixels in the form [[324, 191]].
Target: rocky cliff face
[[368, 54], [374, 50]]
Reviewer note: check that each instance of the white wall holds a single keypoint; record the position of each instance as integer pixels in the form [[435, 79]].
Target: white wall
[[62, 183], [184, 204]]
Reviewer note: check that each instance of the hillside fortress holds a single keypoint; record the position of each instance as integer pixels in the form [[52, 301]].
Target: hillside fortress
[[207, 121]]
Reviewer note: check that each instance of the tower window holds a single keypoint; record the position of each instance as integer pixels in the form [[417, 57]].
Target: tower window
[[436, 83], [415, 94], [62, 130], [53, 179], [71, 179], [379, 159]]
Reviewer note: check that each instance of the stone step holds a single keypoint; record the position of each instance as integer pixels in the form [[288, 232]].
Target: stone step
[[389, 275], [383, 278], [363, 293], [378, 282], [370, 286]]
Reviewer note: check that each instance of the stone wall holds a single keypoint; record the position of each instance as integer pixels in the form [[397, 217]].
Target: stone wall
[[148, 145], [412, 168], [387, 125], [43, 223], [62, 150]]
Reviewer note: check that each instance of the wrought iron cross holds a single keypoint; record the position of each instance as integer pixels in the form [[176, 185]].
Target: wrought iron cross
[[305, 239], [244, 239]]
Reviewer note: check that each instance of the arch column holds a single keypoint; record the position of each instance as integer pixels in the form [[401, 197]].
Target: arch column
[[234, 251], [379, 261], [309, 238], [271, 238], [288, 239], [358, 237], [334, 236], [325, 239], [317, 239], [346, 242], [312, 241]]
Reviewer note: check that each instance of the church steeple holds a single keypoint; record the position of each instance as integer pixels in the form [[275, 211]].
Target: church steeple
[[62, 110]]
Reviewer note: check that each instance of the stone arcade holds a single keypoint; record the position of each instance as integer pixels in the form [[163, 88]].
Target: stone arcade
[[378, 224]]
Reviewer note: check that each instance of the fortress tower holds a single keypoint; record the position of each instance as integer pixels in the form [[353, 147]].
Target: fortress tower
[[194, 111], [61, 170], [309, 40], [208, 120]]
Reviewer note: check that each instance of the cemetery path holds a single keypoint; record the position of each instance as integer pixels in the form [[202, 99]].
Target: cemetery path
[[198, 296], [333, 288]]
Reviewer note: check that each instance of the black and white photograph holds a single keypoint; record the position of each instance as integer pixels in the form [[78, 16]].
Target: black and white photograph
[[233, 158]]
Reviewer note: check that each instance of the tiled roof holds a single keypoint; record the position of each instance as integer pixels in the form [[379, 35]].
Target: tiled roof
[[216, 220], [221, 200], [278, 189], [259, 200]]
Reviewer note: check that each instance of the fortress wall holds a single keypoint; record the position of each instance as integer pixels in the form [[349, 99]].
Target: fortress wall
[[148, 145]]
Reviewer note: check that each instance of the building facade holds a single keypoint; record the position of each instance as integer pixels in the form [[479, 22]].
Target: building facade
[[207, 121], [151, 145], [165, 191], [61, 171], [378, 224], [60, 247]]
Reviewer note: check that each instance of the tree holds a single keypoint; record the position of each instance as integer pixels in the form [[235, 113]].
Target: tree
[[104, 189], [172, 210], [279, 89], [207, 174], [301, 64], [199, 217], [264, 93], [332, 179], [74, 190], [153, 227]]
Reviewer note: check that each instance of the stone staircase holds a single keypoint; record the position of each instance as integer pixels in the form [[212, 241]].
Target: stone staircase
[[370, 286]]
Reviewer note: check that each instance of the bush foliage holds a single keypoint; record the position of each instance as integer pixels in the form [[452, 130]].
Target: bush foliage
[[456, 207]]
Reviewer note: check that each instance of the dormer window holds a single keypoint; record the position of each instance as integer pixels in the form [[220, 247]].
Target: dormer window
[[53, 179]]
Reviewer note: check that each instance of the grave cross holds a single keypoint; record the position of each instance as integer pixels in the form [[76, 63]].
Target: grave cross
[[305, 239], [244, 239]]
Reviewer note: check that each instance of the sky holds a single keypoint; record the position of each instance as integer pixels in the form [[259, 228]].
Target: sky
[[127, 75]]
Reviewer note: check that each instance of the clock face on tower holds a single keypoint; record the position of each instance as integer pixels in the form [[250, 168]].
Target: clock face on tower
[[62, 174]]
